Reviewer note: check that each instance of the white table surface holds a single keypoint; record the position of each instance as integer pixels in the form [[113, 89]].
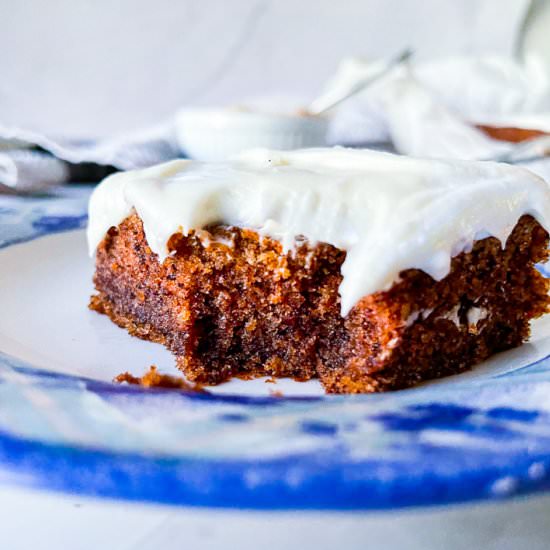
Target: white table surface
[[54, 521]]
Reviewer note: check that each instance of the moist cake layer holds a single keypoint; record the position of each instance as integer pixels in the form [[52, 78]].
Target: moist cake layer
[[241, 306], [512, 134]]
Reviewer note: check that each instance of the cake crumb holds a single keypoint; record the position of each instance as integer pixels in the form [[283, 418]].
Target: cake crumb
[[154, 379]]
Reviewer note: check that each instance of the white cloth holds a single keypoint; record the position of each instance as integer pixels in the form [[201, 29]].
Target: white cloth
[[431, 109], [26, 170], [443, 96]]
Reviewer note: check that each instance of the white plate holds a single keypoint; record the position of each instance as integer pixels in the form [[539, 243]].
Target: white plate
[[481, 435]]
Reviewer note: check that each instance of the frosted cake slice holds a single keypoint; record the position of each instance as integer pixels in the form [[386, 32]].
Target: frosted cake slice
[[368, 270]]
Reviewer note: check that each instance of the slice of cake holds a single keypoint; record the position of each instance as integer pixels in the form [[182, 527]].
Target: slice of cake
[[512, 134], [368, 270]]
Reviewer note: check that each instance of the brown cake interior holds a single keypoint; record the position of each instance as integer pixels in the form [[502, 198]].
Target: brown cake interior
[[227, 302], [511, 134]]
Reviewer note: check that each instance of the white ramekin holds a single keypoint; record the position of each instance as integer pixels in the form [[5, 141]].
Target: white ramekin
[[215, 134]]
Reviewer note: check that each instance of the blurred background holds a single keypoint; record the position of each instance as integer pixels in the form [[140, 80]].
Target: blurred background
[[80, 68], [74, 70]]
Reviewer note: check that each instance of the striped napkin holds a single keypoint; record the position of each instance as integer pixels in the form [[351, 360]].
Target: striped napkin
[[31, 162]]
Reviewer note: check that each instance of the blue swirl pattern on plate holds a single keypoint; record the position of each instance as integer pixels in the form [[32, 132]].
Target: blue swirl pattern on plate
[[479, 439]]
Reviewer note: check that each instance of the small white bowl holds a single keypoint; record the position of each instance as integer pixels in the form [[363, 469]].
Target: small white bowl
[[215, 134]]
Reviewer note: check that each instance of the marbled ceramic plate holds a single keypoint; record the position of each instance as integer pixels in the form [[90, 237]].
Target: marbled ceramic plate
[[65, 426]]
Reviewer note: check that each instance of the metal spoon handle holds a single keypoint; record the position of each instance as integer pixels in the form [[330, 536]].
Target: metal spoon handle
[[321, 105]]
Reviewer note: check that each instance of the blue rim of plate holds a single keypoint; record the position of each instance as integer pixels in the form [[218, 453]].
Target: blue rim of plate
[[481, 439]]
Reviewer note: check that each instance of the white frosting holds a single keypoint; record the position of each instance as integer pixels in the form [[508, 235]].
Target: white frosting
[[390, 213], [475, 315]]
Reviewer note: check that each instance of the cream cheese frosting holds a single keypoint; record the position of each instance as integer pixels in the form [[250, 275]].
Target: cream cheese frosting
[[388, 212]]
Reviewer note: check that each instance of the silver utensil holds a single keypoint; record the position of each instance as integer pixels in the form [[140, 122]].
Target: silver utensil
[[322, 105]]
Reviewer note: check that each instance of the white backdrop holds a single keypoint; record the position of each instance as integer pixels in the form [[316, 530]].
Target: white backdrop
[[84, 68]]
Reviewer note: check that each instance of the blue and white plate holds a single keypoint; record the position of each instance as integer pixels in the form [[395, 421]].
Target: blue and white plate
[[64, 426]]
